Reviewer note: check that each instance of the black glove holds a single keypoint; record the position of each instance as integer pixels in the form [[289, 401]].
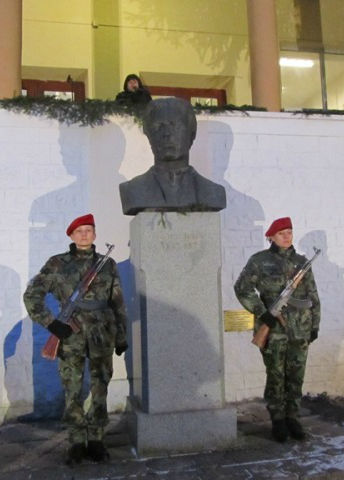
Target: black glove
[[314, 335], [60, 330], [121, 349], [268, 319]]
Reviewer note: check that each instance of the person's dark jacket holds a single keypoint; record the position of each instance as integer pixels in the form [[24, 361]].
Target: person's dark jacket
[[141, 96]]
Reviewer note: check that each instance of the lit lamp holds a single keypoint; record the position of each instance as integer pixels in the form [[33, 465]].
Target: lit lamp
[[296, 62]]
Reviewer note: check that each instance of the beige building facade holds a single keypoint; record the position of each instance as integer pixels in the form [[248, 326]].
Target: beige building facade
[[272, 53]]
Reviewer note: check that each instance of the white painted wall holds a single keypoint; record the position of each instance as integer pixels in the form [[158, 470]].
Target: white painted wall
[[271, 164]]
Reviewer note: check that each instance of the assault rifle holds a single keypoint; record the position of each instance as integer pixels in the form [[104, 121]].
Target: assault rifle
[[50, 349], [261, 337]]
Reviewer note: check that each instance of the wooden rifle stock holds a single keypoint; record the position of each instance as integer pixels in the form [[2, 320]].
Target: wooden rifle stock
[[261, 337], [50, 349]]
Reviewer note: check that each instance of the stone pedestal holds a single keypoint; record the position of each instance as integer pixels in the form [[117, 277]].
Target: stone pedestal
[[177, 399]]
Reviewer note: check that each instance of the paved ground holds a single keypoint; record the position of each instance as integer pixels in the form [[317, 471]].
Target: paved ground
[[36, 451]]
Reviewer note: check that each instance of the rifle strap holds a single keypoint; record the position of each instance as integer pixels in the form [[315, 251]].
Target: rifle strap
[[91, 305], [300, 304]]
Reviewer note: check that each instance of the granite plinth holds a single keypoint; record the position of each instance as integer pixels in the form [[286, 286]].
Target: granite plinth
[[188, 431]]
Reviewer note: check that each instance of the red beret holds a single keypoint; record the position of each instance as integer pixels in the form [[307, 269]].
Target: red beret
[[278, 225], [84, 220]]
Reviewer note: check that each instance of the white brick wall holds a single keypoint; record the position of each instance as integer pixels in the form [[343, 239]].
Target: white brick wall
[[271, 165]]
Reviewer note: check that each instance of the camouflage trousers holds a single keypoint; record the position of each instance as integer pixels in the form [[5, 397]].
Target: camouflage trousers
[[83, 426], [285, 362]]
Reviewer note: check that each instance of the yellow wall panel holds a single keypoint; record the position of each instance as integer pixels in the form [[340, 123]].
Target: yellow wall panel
[[107, 80], [192, 15], [106, 12], [332, 16], [188, 53], [65, 11], [286, 21], [59, 45]]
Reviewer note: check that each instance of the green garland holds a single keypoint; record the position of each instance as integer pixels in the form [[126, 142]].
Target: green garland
[[227, 108], [91, 112], [319, 111], [96, 112]]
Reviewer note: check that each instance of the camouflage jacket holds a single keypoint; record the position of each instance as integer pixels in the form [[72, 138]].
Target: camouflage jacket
[[263, 279], [103, 329]]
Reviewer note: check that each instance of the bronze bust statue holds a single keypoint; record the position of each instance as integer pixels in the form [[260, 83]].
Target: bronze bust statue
[[171, 184]]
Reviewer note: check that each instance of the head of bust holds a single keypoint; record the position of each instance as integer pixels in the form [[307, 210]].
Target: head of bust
[[170, 125]]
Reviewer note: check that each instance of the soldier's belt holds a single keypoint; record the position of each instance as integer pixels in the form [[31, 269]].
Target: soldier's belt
[[301, 304], [91, 305]]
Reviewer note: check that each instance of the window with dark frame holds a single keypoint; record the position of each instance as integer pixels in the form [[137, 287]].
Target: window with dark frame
[[193, 95], [38, 88]]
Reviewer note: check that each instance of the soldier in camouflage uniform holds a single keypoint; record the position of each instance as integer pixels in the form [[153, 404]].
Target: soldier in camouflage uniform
[[285, 354], [102, 318]]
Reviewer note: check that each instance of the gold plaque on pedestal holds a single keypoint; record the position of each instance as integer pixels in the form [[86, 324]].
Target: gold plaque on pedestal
[[238, 320]]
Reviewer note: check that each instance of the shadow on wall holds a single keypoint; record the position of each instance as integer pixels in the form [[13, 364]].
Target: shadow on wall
[[330, 284], [328, 277], [49, 216], [107, 153], [241, 222], [15, 381]]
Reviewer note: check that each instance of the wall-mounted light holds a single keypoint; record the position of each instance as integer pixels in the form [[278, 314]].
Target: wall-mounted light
[[296, 62]]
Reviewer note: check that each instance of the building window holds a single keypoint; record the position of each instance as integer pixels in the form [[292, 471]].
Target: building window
[[312, 80], [64, 90], [301, 80], [334, 74], [203, 96]]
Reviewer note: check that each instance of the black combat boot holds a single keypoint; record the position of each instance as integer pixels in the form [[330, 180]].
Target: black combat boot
[[96, 451], [295, 429], [279, 430], [76, 453]]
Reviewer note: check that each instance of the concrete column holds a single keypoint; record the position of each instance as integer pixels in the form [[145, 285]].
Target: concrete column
[[10, 47], [264, 54]]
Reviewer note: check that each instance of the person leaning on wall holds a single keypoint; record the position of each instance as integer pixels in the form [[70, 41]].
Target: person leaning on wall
[[102, 319], [134, 94], [258, 286]]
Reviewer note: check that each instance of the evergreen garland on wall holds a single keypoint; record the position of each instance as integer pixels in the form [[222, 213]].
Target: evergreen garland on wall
[[91, 112], [96, 112]]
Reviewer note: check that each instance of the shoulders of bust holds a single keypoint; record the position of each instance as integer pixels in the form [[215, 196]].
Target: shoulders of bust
[[211, 191], [137, 181], [205, 182]]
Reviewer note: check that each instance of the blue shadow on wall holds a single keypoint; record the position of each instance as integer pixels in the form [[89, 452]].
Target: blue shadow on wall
[[49, 215], [127, 283], [48, 393], [11, 341], [48, 399]]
